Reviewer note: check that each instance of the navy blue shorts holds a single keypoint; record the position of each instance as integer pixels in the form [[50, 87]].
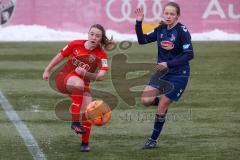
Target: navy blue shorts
[[171, 85]]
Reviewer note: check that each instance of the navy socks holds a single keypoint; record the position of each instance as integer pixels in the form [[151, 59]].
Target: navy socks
[[158, 125]]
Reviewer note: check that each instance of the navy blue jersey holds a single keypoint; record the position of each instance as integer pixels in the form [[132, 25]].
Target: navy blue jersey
[[174, 46]]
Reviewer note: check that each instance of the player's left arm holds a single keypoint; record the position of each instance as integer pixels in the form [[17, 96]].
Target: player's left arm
[[187, 49]]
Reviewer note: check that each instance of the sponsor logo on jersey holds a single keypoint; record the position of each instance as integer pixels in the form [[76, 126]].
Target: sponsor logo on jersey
[[78, 63], [168, 45], [186, 46]]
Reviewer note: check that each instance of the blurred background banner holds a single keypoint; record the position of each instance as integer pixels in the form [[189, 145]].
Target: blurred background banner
[[78, 15]]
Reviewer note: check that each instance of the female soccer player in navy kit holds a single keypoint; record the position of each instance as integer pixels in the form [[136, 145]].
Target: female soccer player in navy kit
[[174, 53], [87, 61]]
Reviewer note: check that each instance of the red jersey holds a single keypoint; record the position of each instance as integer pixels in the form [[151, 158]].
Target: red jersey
[[88, 59], [92, 60]]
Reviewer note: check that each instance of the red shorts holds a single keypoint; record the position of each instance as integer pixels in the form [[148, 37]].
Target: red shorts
[[61, 82]]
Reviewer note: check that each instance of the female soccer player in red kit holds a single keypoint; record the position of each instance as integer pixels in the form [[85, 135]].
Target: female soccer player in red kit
[[87, 61]]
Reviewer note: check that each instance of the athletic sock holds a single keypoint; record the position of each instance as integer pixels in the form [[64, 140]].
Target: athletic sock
[[77, 99], [158, 125], [85, 137]]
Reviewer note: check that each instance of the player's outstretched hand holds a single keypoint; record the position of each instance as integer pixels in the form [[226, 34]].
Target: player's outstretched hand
[[46, 75], [139, 14]]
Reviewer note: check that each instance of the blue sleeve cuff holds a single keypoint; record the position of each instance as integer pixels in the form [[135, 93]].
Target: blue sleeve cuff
[[138, 22], [169, 64]]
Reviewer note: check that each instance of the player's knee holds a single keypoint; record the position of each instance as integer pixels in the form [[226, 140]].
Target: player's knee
[[146, 101], [75, 83], [79, 85], [165, 102]]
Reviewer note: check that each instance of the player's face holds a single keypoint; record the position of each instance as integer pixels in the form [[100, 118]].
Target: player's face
[[170, 15], [95, 36]]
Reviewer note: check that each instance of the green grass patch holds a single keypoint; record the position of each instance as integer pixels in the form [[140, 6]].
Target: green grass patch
[[204, 124]]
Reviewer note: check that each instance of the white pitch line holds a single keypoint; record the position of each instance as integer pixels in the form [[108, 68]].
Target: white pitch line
[[22, 129]]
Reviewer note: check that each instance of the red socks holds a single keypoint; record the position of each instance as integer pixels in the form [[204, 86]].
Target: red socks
[[86, 136], [77, 99], [76, 107]]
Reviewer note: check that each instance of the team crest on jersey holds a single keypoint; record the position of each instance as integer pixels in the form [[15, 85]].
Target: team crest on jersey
[[168, 45], [91, 58], [7, 8]]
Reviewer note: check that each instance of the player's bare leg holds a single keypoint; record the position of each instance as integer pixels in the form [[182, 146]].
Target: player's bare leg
[[74, 82], [163, 105], [148, 95]]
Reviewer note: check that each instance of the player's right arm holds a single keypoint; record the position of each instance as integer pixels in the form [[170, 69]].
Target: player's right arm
[[55, 61], [143, 38], [65, 52]]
